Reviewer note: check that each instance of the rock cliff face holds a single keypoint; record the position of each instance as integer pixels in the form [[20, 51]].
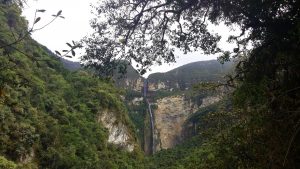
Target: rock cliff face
[[132, 80], [172, 110], [134, 84], [28, 158], [170, 116], [118, 132], [157, 86]]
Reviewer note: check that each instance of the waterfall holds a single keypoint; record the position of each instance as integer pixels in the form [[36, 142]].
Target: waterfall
[[152, 127], [145, 90]]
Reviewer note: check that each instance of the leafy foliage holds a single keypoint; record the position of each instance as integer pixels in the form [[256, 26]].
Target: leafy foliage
[[5, 164], [266, 82], [147, 31], [48, 115], [188, 75], [137, 113]]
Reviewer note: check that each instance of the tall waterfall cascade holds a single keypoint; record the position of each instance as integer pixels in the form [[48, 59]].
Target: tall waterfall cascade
[[145, 91]]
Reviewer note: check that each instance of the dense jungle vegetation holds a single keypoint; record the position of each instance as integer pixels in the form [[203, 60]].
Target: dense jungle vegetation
[[48, 114], [262, 128]]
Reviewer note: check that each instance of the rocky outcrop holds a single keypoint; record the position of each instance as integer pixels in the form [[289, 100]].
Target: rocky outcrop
[[209, 100], [157, 86], [28, 158], [137, 101], [171, 114], [118, 132], [134, 84]]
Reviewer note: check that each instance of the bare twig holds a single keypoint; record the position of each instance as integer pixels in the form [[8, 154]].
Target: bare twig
[[291, 142], [31, 30]]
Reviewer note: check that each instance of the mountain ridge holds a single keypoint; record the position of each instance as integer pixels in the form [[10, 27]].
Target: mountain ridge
[[74, 65]]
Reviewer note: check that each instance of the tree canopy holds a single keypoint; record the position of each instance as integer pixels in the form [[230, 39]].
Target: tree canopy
[[148, 31], [266, 79], [49, 111]]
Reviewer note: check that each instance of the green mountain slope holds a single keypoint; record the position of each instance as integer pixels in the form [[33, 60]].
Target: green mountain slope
[[51, 118], [129, 79], [189, 74], [48, 115]]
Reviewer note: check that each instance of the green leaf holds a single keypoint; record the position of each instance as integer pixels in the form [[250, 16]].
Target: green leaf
[[59, 13], [41, 10], [69, 45], [143, 71], [37, 20], [73, 53], [210, 156], [58, 53]]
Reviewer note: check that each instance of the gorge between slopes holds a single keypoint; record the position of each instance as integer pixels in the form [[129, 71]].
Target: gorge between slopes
[[165, 102]]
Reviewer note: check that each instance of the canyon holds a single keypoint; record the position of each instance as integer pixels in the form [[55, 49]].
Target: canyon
[[164, 102], [169, 101]]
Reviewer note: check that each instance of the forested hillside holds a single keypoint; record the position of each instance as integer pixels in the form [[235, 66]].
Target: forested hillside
[[187, 75], [262, 128], [48, 115], [52, 118]]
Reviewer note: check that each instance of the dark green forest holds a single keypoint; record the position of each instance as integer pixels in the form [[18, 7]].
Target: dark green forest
[[50, 111], [48, 114]]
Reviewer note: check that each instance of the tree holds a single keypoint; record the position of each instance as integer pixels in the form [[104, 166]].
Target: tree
[[17, 34], [267, 79], [18, 2], [148, 31], [6, 164]]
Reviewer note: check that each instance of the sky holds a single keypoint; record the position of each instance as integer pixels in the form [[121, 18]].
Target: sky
[[77, 14]]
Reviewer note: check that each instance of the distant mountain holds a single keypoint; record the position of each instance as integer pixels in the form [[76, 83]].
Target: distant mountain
[[179, 78], [70, 65], [189, 74], [132, 80]]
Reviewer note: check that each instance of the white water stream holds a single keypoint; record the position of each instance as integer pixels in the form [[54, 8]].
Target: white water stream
[[151, 117]]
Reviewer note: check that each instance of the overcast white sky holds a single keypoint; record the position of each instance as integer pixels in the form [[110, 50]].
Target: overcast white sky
[[77, 14]]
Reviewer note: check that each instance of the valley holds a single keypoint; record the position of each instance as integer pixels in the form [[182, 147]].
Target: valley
[[238, 112], [170, 100]]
